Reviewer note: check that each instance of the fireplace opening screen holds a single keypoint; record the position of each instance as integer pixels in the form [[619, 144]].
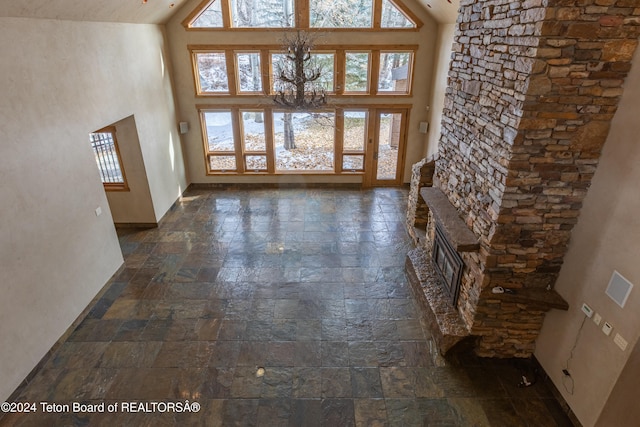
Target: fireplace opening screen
[[448, 264]]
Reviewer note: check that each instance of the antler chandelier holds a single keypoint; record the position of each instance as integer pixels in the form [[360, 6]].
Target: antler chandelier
[[296, 76]]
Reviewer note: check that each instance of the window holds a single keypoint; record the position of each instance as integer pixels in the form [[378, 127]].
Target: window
[[210, 17], [341, 13], [211, 69], [262, 13], [354, 140], [254, 140], [393, 17], [304, 141], [357, 72], [107, 154], [249, 72], [395, 72], [325, 62], [220, 144]]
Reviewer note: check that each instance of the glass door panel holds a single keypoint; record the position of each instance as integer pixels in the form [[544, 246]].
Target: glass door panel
[[389, 130]]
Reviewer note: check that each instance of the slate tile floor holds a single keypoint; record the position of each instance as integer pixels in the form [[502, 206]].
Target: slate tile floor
[[306, 283]]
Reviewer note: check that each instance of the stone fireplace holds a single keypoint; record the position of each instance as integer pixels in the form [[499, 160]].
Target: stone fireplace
[[531, 92]]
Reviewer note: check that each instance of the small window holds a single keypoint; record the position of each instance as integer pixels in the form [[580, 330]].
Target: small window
[[357, 72], [395, 72], [249, 73], [325, 63], [211, 68], [262, 13], [107, 154]]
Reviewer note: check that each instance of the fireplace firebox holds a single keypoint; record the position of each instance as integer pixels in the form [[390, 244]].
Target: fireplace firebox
[[448, 264]]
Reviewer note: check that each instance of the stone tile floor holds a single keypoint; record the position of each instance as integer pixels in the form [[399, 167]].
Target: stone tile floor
[[307, 284]]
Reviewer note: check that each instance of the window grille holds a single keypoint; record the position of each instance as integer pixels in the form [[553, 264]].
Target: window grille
[[107, 155]]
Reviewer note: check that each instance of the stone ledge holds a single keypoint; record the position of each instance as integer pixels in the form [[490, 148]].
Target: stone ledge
[[531, 297], [444, 320], [461, 238]]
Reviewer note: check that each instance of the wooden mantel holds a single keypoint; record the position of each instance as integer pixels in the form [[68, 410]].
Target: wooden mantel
[[459, 235]]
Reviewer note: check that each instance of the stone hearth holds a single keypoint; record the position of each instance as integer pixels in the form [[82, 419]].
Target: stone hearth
[[531, 92]]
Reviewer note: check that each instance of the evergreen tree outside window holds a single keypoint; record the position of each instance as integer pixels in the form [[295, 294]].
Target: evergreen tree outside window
[[357, 72]]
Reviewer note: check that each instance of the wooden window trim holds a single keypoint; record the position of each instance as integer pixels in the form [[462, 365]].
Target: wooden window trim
[[231, 90], [268, 110], [339, 68], [115, 186]]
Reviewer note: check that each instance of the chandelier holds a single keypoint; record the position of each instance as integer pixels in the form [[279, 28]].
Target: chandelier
[[296, 76]]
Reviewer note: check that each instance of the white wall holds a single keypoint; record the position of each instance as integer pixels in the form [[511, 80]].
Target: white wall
[[605, 239], [59, 81], [133, 206], [439, 86]]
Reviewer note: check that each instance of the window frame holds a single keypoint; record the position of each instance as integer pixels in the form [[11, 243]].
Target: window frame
[[339, 68], [236, 143], [231, 86], [410, 67], [112, 186], [236, 70], [268, 111]]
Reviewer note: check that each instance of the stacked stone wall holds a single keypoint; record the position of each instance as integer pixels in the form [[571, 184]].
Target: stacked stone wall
[[417, 210], [532, 89]]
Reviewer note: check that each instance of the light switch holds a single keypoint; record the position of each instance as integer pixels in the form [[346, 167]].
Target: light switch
[[606, 328], [98, 211]]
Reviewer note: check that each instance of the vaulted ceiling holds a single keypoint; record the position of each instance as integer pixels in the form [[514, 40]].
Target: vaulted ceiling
[[151, 12]]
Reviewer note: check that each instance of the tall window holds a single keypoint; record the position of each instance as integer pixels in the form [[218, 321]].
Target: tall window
[[107, 154]]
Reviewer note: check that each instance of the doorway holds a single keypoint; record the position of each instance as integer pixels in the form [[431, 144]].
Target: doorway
[[386, 147]]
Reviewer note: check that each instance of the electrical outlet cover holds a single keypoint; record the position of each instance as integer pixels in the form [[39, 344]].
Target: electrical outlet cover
[[597, 319]]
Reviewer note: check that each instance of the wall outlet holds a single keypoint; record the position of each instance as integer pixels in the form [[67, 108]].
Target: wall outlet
[[587, 310], [597, 319], [606, 328]]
